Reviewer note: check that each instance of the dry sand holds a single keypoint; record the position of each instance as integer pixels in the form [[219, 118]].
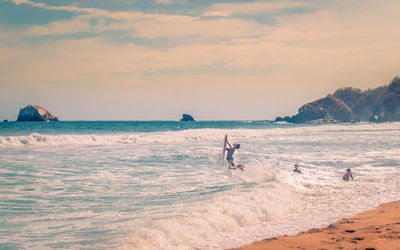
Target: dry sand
[[374, 229]]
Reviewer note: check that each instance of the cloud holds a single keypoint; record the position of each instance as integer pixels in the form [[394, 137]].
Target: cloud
[[318, 45], [117, 15], [169, 1], [310, 46], [195, 28], [18, 2], [179, 29], [229, 9], [78, 24], [302, 58]]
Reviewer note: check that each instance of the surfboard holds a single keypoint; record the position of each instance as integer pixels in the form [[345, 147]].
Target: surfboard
[[224, 148]]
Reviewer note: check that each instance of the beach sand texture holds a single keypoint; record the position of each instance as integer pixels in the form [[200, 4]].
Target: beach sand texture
[[374, 229]]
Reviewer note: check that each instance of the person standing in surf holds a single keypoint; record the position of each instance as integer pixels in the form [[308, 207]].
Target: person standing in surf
[[229, 155], [347, 175]]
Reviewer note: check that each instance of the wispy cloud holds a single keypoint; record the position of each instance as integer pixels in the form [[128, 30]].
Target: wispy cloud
[[297, 44], [147, 26], [229, 9], [118, 15], [195, 28], [78, 24], [177, 29], [18, 2], [169, 1]]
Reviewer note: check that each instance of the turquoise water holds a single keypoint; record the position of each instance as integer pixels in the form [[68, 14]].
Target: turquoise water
[[152, 185], [115, 127]]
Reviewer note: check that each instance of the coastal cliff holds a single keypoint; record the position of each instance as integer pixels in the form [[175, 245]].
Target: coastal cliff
[[326, 110], [35, 113], [348, 104]]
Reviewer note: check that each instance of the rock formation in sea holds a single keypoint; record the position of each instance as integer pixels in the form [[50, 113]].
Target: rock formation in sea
[[326, 110], [5, 120], [187, 118], [35, 113]]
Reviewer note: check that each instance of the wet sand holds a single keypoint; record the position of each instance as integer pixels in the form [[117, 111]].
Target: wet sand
[[375, 229]]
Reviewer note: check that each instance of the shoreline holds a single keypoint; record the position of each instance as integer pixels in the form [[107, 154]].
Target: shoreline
[[378, 228]]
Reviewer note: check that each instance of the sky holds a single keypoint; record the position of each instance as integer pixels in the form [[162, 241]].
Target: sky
[[216, 60]]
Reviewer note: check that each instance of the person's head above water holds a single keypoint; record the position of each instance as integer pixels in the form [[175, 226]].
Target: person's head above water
[[296, 166], [348, 170]]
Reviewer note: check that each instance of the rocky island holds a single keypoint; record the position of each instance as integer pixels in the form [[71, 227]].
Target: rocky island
[[35, 113], [187, 118], [352, 105]]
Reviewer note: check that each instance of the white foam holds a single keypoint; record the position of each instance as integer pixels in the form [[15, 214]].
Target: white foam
[[209, 224], [273, 200], [96, 139], [243, 215], [294, 134], [210, 207]]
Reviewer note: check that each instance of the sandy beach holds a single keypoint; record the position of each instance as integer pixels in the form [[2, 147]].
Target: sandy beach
[[375, 229]]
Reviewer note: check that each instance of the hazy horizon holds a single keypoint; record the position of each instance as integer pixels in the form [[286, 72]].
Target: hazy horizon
[[216, 60]]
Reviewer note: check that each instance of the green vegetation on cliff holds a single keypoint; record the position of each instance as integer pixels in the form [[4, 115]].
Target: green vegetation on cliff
[[377, 105], [349, 104]]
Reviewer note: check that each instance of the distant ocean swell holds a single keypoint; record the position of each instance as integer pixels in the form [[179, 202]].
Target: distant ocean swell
[[93, 139], [174, 136]]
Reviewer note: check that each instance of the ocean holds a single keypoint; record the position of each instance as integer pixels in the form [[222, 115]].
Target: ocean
[[163, 185]]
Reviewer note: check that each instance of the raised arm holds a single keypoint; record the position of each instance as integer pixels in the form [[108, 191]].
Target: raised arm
[[227, 142]]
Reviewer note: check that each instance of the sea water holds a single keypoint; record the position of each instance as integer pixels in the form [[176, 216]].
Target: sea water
[[162, 185]]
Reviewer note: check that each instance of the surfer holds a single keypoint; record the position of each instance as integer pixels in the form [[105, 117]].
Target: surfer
[[347, 175], [229, 156], [296, 168]]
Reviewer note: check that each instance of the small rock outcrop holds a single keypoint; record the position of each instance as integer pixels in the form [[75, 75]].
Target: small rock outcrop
[[35, 113], [283, 119], [326, 110], [5, 120], [187, 118]]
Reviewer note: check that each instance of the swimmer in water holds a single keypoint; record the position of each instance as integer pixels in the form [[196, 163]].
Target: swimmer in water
[[296, 168], [347, 175]]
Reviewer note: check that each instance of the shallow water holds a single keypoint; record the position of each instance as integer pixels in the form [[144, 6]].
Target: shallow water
[[151, 185]]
